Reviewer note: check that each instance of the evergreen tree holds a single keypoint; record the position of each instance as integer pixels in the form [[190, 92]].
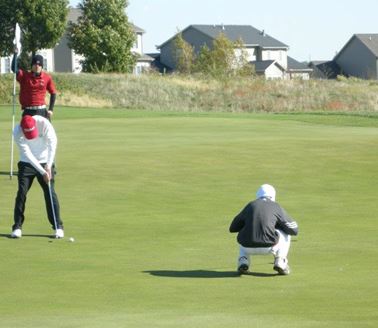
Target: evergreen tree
[[204, 61]]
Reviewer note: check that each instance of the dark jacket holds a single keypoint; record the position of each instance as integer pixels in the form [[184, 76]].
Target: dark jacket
[[257, 222]]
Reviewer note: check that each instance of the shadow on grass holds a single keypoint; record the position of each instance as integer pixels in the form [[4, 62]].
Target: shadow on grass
[[5, 235], [204, 274], [7, 173]]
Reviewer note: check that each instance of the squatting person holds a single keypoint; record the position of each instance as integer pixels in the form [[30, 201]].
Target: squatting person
[[264, 227], [33, 87], [37, 143]]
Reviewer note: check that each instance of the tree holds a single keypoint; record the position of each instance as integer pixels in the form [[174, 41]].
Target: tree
[[223, 55], [104, 36], [204, 61], [42, 23], [242, 65], [225, 59], [7, 26], [183, 54], [219, 61]]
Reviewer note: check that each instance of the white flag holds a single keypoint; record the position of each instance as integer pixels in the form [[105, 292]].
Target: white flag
[[17, 38]]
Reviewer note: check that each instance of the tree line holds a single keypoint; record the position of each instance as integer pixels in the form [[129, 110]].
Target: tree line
[[104, 37], [102, 34]]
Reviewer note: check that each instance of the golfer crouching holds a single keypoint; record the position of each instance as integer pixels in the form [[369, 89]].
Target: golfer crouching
[[37, 141], [264, 228]]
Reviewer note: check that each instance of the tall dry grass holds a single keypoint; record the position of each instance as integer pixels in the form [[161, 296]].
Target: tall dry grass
[[179, 93]]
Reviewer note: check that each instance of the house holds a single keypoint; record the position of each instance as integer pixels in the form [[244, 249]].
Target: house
[[63, 59], [359, 56], [270, 69], [143, 60], [297, 70], [5, 64], [324, 69], [262, 50]]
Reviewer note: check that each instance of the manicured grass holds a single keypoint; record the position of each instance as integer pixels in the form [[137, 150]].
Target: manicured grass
[[149, 198]]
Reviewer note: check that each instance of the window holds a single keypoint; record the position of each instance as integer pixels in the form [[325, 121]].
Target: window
[[7, 65]]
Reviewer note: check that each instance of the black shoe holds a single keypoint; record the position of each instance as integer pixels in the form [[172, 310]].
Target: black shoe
[[243, 269]]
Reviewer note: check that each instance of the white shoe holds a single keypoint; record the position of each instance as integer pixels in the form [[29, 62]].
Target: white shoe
[[281, 266], [59, 233], [16, 233]]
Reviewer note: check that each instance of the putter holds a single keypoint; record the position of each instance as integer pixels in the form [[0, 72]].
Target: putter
[[52, 207]]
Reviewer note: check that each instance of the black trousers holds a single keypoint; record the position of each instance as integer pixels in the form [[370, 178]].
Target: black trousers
[[32, 112], [26, 175]]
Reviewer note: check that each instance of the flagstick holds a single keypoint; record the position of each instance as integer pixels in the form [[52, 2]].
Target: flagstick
[[17, 44], [14, 106]]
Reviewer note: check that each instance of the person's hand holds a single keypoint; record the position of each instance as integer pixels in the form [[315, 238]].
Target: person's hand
[[50, 113], [46, 178], [15, 50], [47, 175]]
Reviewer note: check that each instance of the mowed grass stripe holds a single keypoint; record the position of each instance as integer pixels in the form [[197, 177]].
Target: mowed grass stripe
[[149, 200]]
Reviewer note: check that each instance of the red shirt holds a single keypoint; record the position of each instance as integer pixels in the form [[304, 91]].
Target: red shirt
[[33, 88]]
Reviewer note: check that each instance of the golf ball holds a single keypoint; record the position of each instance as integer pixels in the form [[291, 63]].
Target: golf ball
[[72, 239]]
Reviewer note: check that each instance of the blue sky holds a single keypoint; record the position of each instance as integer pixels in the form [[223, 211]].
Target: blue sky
[[314, 30]]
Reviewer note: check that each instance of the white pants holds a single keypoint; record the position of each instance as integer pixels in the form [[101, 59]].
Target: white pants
[[279, 251]]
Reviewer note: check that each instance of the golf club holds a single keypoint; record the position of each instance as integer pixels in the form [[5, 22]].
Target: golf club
[[52, 207]]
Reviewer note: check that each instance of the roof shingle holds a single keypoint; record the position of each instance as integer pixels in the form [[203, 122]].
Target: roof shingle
[[370, 41], [249, 35]]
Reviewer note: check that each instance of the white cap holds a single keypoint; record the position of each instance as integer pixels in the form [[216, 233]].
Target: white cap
[[267, 191]]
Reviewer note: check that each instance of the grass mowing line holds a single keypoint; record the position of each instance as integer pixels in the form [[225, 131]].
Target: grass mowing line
[[364, 119], [149, 204]]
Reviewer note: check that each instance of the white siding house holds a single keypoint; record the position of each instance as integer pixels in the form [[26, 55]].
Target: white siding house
[[280, 56], [270, 69], [143, 61], [5, 63]]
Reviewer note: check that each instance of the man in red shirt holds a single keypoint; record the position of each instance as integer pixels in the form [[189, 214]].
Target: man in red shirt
[[33, 87]]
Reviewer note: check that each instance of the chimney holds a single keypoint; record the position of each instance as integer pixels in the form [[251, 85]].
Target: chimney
[[263, 32]]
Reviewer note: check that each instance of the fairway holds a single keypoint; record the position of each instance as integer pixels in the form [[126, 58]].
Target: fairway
[[149, 198]]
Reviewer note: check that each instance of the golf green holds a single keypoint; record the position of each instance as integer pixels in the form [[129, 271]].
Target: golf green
[[148, 198]]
